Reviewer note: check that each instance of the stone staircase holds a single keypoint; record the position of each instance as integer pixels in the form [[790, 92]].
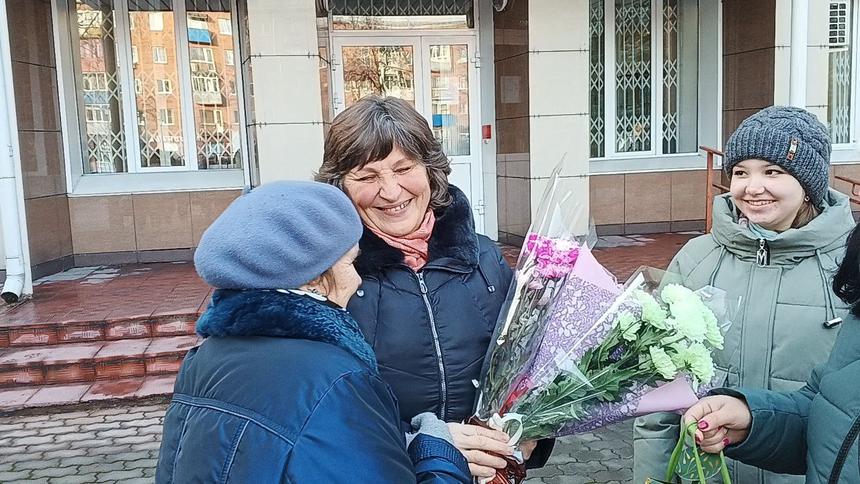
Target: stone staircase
[[79, 341]]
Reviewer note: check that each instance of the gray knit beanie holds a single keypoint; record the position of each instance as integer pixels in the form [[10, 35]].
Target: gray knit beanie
[[790, 137], [279, 235]]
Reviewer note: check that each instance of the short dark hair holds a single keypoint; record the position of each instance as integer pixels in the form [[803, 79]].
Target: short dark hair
[[370, 129], [846, 283]]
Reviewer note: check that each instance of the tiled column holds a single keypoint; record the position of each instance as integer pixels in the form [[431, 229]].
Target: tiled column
[[755, 58], [287, 122], [559, 97]]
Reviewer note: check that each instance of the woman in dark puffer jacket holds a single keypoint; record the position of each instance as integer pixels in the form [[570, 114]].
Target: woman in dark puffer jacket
[[432, 286]]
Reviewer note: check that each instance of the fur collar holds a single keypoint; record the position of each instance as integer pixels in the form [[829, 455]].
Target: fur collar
[[284, 315], [453, 243]]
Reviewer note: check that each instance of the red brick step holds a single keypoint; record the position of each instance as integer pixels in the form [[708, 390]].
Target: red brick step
[[94, 361]]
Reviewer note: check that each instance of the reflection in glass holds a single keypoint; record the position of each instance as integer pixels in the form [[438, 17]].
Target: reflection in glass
[[449, 97], [399, 22], [159, 112], [99, 86], [213, 84], [382, 70]]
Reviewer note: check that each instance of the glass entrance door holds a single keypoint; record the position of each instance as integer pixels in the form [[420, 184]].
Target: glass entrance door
[[435, 74]]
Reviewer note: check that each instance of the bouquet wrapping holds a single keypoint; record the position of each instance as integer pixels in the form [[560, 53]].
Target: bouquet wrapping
[[575, 351]]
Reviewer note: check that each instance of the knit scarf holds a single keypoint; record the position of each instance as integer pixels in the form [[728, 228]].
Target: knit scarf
[[414, 245]]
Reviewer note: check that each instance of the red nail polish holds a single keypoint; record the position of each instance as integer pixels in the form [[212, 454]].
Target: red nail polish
[[726, 442], [702, 425]]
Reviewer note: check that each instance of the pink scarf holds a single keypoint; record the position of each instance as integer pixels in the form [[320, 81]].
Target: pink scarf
[[414, 245]]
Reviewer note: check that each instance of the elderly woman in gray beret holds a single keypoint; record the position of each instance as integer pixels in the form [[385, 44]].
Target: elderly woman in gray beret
[[776, 242], [285, 388]]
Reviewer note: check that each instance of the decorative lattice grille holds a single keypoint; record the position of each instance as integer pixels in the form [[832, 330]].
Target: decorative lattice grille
[[383, 8], [633, 75], [99, 83], [597, 83], [671, 86]]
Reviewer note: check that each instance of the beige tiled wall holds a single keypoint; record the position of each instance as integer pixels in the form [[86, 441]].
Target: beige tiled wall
[[142, 222], [34, 75], [656, 199]]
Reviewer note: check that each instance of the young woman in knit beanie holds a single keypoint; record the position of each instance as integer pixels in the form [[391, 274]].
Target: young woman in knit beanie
[[285, 388], [776, 242]]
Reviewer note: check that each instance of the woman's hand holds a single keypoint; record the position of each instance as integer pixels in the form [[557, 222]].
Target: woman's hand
[[477, 444], [723, 420]]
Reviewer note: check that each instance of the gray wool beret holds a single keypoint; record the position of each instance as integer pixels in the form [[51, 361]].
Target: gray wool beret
[[279, 235], [790, 137]]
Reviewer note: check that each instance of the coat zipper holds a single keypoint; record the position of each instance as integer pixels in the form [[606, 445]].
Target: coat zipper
[[443, 383], [762, 256], [843, 452]]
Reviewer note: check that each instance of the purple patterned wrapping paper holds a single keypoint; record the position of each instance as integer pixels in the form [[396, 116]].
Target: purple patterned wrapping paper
[[571, 327]]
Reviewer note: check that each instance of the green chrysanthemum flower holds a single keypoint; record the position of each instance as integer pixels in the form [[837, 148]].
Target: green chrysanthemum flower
[[652, 312], [673, 293], [698, 359], [663, 363], [713, 334], [688, 320]]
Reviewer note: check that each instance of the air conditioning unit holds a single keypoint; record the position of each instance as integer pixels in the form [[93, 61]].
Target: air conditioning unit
[[839, 27]]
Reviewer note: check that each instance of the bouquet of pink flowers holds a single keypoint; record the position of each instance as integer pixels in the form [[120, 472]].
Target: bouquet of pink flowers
[[575, 351]]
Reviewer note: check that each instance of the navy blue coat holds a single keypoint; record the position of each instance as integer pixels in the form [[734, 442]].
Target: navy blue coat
[[286, 390], [431, 330]]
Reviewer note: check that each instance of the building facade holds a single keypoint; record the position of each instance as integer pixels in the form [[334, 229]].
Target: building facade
[[133, 123]]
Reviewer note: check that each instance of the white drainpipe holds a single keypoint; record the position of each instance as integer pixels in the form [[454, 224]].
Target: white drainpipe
[[799, 36], [11, 214]]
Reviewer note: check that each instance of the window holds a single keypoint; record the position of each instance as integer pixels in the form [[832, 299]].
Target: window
[[159, 55], [643, 77], [156, 21], [165, 117], [211, 117], [202, 54], [224, 26], [99, 113], [206, 84], [94, 81], [164, 86], [228, 57], [840, 41], [171, 129]]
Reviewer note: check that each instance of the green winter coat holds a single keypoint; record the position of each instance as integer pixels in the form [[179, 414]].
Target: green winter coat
[[778, 333], [813, 430]]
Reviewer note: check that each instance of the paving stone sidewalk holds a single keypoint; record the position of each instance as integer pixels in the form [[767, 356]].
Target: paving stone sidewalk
[[120, 444]]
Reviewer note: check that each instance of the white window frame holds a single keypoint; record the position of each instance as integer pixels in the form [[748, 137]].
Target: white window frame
[[654, 161], [156, 21], [156, 57], [849, 153], [166, 117], [229, 58], [134, 55], [224, 27], [138, 179], [164, 86], [208, 55], [217, 117], [93, 111]]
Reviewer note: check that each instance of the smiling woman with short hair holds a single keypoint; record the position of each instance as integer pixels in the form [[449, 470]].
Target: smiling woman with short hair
[[433, 287]]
